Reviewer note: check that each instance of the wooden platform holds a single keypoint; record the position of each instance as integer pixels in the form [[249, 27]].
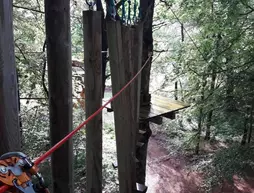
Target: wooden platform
[[159, 107]]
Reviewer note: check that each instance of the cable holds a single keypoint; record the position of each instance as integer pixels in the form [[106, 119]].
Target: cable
[[194, 43], [60, 143]]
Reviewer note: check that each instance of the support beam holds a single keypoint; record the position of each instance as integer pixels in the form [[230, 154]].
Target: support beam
[[120, 44], [93, 93], [58, 38], [9, 120]]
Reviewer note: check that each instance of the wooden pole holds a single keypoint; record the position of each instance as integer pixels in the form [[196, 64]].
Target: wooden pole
[[93, 93], [125, 50], [135, 65], [120, 74], [58, 38], [9, 120]]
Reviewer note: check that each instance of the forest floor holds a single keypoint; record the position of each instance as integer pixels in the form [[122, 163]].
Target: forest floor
[[169, 169], [168, 173]]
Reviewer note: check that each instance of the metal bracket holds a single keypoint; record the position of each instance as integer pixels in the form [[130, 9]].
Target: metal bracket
[[28, 189]]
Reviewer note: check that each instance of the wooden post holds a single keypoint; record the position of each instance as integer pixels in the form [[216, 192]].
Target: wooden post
[[93, 90], [125, 50], [119, 50], [58, 38], [135, 65], [9, 120]]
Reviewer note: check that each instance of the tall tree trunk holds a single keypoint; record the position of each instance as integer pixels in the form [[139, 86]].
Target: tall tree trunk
[[176, 90], [147, 10], [200, 119], [251, 122], [245, 128], [210, 113], [20, 121], [199, 130], [58, 37], [104, 45], [230, 107], [9, 111]]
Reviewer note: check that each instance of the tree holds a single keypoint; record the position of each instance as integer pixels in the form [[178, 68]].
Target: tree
[[58, 38], [10, 139]]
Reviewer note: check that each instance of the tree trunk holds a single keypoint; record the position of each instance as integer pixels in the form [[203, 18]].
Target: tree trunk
[[251, 122], [176, 91], [20, 121], [147, 10], [199, 130], [200, 120], [208, 125], [245, 128], [104, 44], [9, 111], [210, 113], [58, 37]]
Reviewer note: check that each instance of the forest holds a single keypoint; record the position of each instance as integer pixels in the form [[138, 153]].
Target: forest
[[201, 55]]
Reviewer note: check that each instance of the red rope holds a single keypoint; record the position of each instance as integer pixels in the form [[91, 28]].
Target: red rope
[[60, 143]]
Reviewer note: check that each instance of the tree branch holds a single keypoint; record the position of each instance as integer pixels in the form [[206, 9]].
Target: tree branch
[[44, 69], [118, 5], [29, 9], [247, 5]]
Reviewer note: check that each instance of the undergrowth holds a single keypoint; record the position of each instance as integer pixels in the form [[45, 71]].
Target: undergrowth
[[228, 162], [226, 158]]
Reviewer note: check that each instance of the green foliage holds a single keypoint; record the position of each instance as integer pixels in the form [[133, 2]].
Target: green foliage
[[213, 67], [236, 160]]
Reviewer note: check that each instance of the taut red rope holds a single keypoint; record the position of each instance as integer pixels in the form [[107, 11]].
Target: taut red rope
[[60, 143]]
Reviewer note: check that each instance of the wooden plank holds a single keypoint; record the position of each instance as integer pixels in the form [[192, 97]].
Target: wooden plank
[[167, 103], [93, 93], [58, 35], [136, 57], [9, 120], [122, 106], [161, 106], [130, 70]]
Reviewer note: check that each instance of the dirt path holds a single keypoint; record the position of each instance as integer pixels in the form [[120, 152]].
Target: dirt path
[[167, 174]]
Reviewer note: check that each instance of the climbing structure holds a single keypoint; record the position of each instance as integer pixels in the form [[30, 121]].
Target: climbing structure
[[125, 37], [125, 50]]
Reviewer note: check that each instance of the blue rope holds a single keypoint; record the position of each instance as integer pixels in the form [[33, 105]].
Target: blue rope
[[112, 9], [139, 12]]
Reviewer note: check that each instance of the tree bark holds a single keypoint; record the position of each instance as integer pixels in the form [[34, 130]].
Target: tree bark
[[176, 90], [251, 122], [20, 121], [147, 10], [93, 97], [200, 119], [104, 44], [245, 128], [9, 111], [210, 113], [58, 37]]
